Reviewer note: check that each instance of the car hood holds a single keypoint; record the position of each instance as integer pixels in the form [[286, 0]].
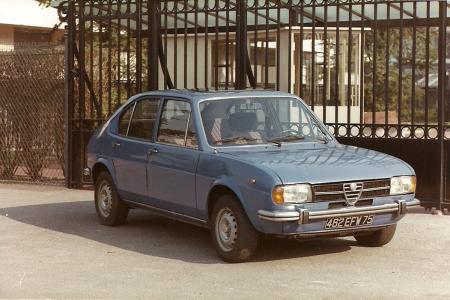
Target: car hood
[[326, 163]]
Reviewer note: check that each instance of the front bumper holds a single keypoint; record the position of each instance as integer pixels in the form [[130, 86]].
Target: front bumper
[[305, 216]]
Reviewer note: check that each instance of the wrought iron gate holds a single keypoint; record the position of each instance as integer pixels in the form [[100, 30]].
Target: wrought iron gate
[[375, 71]]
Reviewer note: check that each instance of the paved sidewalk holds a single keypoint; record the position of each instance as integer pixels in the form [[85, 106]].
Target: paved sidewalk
[[51, 246]]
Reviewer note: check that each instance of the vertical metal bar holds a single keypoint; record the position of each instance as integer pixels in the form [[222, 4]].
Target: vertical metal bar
[[153, 31], [128, 50], [313, 57], [109, 57], [442, 84], [227, 46], [81, 96], [302, 18], [119, 50], [361, 68], [91, 55], [336, 75], [278, 48], [185, 49], [216, 48], [138, 19], [349, 68], [175, 45], [374, 68], [195, 44], [413, 71], [255, 43], [291, 20], [69, 94], [206, 8], [241, 44], [386, 78], [325, 63], [400, 73], [165, 43], [427, 64], [266, 53], [100, 64]]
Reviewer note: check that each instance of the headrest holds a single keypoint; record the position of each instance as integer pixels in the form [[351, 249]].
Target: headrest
[[243, 121], [178, 122]]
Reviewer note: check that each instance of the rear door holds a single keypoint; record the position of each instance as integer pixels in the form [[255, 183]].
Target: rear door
[[136, 129], [173, 160]]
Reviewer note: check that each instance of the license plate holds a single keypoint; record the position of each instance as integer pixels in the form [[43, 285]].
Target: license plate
[[348, 222]]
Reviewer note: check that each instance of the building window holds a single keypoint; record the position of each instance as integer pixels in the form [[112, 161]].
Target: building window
[[262, 58]]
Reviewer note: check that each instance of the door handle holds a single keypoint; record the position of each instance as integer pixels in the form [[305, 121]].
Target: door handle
[[153, 151], [116, 145]]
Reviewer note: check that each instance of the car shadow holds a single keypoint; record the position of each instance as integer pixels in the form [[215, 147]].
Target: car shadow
[[148, 234]]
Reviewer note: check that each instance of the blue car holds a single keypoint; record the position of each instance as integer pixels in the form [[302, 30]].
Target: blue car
[[244, 164]]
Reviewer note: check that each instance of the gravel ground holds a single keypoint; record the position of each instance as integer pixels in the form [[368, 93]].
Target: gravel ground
[[51, 246]]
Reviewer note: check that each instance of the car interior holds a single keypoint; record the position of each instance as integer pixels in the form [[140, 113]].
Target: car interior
[[225, 123]]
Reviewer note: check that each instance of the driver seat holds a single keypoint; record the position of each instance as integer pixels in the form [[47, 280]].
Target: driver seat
[[244, 124]]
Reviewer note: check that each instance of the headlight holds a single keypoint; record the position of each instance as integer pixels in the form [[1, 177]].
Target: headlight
[[403, 185], [294, 193]]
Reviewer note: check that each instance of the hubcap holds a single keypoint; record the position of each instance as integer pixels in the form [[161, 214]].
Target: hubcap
[[105, 199], [226, 229]]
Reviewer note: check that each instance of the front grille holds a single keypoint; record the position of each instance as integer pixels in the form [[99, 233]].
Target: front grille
[[335, 191]]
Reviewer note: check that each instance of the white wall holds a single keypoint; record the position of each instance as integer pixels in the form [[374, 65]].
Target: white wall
[[284, 39], [342, 114], [190, 62]]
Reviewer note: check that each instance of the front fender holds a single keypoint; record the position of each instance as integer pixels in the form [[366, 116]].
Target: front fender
[[252, 200], [230, 184]]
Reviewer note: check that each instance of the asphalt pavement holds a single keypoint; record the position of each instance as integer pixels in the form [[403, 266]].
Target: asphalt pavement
[[51, 246]]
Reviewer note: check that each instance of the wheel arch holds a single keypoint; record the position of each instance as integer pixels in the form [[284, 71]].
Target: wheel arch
[[218, 190], [102, 166]]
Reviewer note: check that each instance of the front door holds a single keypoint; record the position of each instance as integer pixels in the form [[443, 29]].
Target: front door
[[173, 160]]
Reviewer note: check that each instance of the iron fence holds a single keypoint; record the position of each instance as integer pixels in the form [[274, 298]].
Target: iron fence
[[375, 71], [32, 114]]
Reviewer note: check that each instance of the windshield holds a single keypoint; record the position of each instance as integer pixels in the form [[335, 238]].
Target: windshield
[[244, 121]]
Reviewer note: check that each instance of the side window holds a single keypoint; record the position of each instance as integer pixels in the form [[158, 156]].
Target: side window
[[124, 120], [144, 119], [174, 125]]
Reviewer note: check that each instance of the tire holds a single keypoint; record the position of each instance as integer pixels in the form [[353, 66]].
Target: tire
[[111, 211], [377, 238], [233, 236]]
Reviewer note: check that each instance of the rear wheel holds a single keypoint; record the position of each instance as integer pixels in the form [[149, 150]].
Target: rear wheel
[[376, 238], [110, 209], [233, 235]]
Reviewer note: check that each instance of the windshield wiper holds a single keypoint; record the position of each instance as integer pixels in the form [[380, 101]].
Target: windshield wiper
[[236, 138], [322, 139], [286, 138]]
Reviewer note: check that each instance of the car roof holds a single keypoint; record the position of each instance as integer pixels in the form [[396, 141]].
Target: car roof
[[199, 95]]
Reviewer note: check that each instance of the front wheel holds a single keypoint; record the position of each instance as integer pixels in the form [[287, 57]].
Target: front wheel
[[233, 235], [110, 209], [377, 238]]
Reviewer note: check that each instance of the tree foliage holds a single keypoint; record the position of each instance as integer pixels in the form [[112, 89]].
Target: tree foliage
[[389, 81], [45, 3]]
